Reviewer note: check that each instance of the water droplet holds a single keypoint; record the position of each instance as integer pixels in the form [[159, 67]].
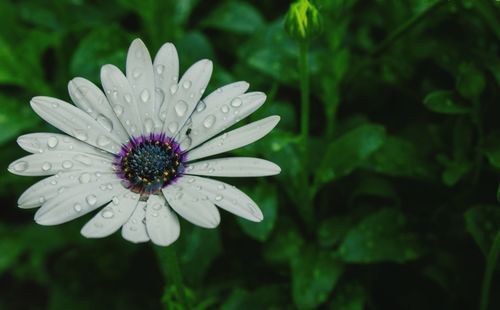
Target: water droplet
[[154, 214], [84, 178], [83, 159], [163, 115], [107, 213], [52, 142], [105, 122], [202, 90], [109, 186], [160, 68], [201, 106], [103, 140], [20, 165], [115, 200], [81, 135], [137, 73], [145, 95], [186, 84], [41, 199], [133, 228], [175, 78], [236, 102], [53, 182], [102, 187], [46, 166], [179, 195], [67, 164], [211, 170], [218, 197], [172, 127], [118, 109], [204, 166], [160, 95], [219, 90], [221, 187], [224, 108], [186, 143], [91, 200], [157, 206], [191, 180], [173, 88], [115, 94], [209, 121], [149, 125], [55, 104], [181, 107], [138, 53], [77, 207]]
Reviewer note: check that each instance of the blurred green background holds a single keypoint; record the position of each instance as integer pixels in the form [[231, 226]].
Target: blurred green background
[[404, 156]]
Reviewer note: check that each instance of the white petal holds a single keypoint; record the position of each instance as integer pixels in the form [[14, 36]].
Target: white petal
[[226, 197], [92, 100], [49, 163], [236, 138], [50, 187], [209, 123], [111, 217], [121, 98], [191, 205], [141, 78], [186, 96], [161, 222], [233, 167], [75, 122], [77, 201], [135, 229], [166, 68], [43, 141], [217, 99]]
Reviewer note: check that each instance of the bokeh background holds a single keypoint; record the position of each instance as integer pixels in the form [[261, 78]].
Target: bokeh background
[[404, 156]]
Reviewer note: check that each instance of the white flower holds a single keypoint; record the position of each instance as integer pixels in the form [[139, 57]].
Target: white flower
[[133, 148]]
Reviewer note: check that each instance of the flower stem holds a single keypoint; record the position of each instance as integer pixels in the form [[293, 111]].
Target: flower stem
[[306, 205], [174, 275], [491, 262], [304, 94]]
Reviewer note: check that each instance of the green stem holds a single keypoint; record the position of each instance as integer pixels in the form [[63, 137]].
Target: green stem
[[174, 275], [307, 210], [491, 262], [304, 92]]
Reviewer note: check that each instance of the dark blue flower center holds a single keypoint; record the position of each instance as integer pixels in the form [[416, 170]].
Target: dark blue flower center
[[149, 165]]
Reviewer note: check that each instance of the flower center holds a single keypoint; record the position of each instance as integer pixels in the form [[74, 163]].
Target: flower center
[[147, 164]]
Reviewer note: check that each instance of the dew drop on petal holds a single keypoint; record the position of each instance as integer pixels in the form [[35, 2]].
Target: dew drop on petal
[[46, 166], [224, 108], [118, 109], [201, 106], [81, 135], [107, 213], [115, 200], [221, 186], [20, 165], [160, 68], [137, 73], [91, 200], [77, 207], [52, 142], [149, 125], [67, 164], [145, 95], [105, 122], [218, 197], [103, 140], [236, 102], [211, 170], [209, 121], [186, 84], [83, 159], [160, 95], [84, 178], [173, 88], [172, 127], [181, 107]]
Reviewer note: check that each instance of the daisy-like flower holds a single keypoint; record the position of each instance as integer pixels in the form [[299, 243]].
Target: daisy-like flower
[[136, 148]]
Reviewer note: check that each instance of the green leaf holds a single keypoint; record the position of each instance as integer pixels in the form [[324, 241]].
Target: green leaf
[[350, 296], [266, 197], [15, 118], [9, 65], [470, 81], [234, 16], [284, 244], [333, 230], [192, 47], [483, 222], [398, 157], [314, 275], [445, 102], [381, 236], [265, 297], [106, 45], [349, 151]]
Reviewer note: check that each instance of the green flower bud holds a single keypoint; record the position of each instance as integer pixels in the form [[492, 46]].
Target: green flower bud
[[303, 21]]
